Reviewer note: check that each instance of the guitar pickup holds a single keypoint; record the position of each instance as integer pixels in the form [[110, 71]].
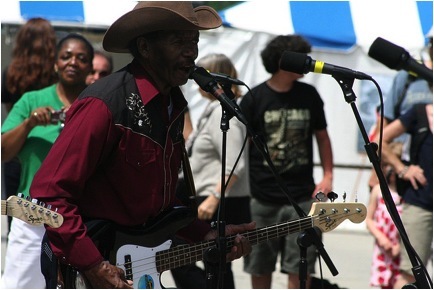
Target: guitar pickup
[[128, 268]]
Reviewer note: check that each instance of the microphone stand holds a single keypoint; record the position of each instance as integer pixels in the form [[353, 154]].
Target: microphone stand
[[208, 84], [215, 257], [303, 241], [423, 280]]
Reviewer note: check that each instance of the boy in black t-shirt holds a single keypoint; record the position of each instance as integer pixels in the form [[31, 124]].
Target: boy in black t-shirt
[[287, 113]]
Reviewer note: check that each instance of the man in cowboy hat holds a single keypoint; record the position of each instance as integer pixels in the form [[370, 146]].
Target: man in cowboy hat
[[118, 156]]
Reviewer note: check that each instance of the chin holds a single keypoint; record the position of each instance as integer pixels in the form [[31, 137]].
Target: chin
[[179, 82]]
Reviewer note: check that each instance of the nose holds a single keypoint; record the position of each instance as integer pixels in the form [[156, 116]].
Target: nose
[[191, 50], [73, 60]]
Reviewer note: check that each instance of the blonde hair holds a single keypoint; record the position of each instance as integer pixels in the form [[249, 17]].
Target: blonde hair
[[220, 63]]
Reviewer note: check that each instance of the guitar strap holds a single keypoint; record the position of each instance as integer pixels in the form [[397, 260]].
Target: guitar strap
[[188, 178], [60, 280]]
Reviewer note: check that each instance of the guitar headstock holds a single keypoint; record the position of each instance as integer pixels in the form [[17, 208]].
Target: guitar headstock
[[31, 212], [328, 215]]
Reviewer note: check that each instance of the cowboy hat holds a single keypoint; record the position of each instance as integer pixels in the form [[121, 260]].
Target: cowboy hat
[[149, 16]]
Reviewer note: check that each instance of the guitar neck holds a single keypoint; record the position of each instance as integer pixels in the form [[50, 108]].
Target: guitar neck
[[186, 254]]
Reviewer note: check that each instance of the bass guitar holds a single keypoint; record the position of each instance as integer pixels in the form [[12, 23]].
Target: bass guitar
[[143, 262], [31, 212]]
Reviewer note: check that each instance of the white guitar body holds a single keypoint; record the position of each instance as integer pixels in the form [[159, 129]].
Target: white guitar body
[[143, 270]]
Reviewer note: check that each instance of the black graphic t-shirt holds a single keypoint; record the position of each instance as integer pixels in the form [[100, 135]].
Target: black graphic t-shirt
[[287, 121]]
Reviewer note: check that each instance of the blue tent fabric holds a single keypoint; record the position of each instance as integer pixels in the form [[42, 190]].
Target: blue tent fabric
[[71, 11], [425, 9], [328, 25], [317, 21], [79, 13], [336, 25]]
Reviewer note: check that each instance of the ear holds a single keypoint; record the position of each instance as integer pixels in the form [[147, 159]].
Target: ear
[[142, 46]]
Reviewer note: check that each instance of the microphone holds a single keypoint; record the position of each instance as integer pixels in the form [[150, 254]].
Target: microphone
[[225, 79], [397, 58], [302, 63], [207, 83]]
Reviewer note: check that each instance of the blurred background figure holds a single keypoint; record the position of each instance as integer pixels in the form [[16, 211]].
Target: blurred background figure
[[417, 194], [288, 114], [406, 91], [406, 94], [188, 126], [102, 66], [386, 254], [31, 68], [205, 147], [28, 134], [32, 63]]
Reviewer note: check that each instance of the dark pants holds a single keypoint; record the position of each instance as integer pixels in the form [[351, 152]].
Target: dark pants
[[49, 264]]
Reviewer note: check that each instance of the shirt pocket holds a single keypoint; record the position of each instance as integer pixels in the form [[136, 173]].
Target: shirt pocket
[[140, 160]]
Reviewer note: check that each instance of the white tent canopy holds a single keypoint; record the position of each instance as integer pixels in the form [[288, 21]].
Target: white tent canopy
[[333, 25], [337, 25]]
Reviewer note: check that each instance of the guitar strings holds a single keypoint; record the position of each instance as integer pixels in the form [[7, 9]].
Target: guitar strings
[[184, 255], [151, 265], [188, 254]]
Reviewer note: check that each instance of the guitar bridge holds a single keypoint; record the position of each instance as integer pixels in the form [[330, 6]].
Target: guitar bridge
[[128, 268]]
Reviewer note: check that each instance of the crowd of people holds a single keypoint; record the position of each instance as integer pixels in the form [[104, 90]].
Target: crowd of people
[[407, 125], [126, 158]]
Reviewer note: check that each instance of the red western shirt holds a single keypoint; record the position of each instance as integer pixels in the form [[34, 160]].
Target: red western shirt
[[117, 159]]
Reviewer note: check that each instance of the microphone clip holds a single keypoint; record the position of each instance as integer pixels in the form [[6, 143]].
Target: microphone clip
[[346, 84]]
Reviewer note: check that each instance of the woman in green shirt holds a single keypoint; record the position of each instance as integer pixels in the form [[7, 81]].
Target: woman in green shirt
[[28, 133]]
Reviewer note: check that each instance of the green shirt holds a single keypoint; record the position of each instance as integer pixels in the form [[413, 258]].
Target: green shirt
[[40, 138]]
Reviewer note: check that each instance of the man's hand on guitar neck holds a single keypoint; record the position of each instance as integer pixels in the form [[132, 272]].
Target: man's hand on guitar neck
[[241, 246], [105, 275]]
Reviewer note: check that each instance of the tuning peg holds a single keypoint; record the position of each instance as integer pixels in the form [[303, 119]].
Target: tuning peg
[[55, 215], [320, 196], [344, 196], [332, 196]]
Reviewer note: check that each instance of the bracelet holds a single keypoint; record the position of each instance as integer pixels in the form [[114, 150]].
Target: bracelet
[[403, 172]]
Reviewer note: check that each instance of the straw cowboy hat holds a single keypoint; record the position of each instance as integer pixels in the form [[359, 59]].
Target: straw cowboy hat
[[149, 16]]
